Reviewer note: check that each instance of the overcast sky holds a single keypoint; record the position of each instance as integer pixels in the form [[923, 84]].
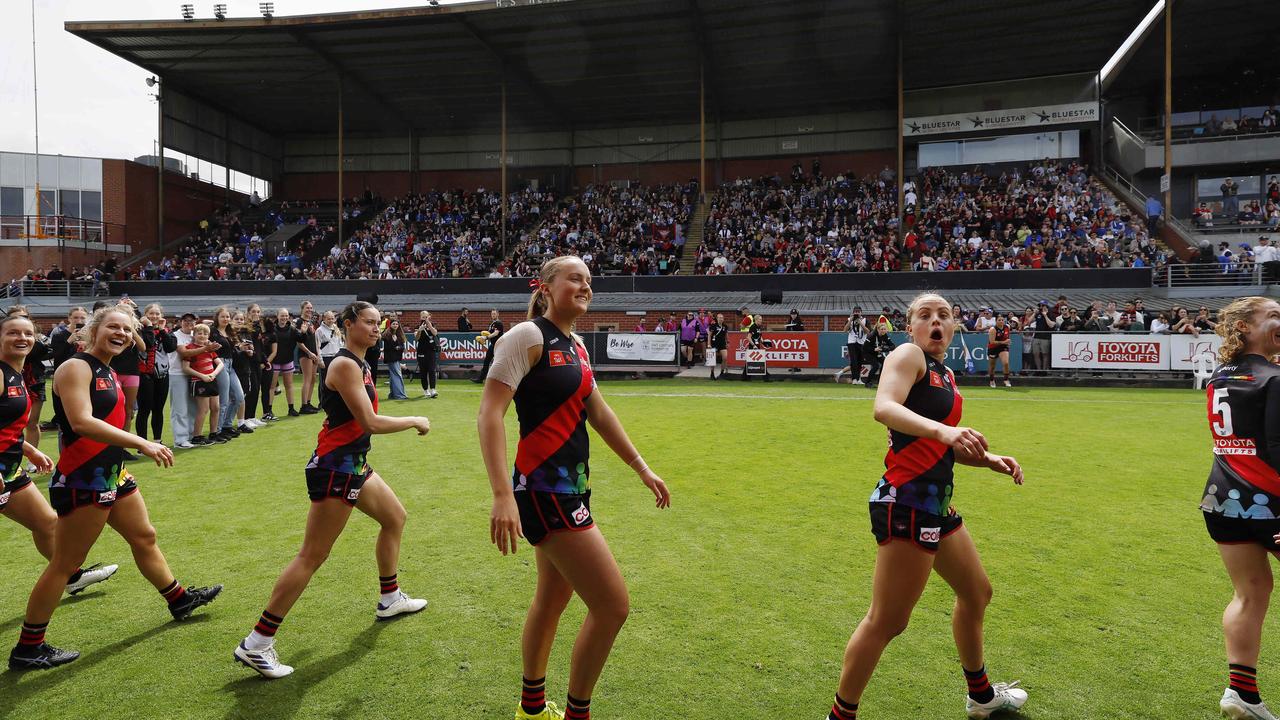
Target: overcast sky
[[93, 103]]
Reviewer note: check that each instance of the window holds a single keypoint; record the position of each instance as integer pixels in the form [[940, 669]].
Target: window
[[91, 205], [11, 201], [70, 200], [48, 203]]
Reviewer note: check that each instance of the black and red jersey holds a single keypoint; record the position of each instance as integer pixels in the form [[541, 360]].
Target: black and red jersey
[[85, 464], [551, 403], [15, 405], [1244, 422], [1002, 338], [918, 471], [342, 444]]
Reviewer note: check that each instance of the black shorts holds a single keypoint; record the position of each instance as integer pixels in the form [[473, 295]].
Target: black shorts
[[1241, 531], [11, 487], [323, 483], [36, 391], [543, 513], [199, 388], [66, 500], [891, 521]]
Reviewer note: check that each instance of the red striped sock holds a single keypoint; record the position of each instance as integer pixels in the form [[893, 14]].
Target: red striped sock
[[268, 624], [388, 583], [173, 592], [1244, 680], [843, 710], [578, 709], [533, 698], [32, 633], [979, 686]]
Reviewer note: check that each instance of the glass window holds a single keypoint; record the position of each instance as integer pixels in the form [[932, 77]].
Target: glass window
[[48, 202], [70, 200], [11, 201], [91, 205]]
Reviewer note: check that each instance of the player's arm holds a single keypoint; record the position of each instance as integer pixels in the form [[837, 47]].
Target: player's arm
[[71, 382], [606, 423], [347, 378], [40, 460], [512, 358], [1003, 464], [991, 335], [903, 368]]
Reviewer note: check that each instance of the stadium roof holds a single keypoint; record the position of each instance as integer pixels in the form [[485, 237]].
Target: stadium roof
[[597, 63]]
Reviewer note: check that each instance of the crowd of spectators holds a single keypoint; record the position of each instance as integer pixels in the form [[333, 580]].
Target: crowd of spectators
[[1268, 121], [453, 233], [615, 230], [1048, 214], [1264, 210]]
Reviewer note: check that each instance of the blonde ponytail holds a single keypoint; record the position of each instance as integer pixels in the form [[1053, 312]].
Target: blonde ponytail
[[1230, 317], [547, 273]]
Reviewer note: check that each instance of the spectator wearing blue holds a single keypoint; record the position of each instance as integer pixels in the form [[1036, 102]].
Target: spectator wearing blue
[[1154, 210]]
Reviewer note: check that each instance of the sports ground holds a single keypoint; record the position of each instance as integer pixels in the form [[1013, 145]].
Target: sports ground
[[1107, 605]]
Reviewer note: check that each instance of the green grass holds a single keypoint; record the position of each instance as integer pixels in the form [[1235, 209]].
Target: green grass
[[1107, 605]]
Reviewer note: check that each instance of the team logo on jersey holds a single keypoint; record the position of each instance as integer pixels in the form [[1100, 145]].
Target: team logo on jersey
[[930, 535], [935, 379], [4, 499], [581, 515], [15, 391], [557, 358], [106, 497], [102, 383]]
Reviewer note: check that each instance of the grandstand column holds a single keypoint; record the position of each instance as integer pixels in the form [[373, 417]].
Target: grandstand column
[[341, 160], [702, 131], [905, 266], [502, 160], [159, 165], [1168, 108]]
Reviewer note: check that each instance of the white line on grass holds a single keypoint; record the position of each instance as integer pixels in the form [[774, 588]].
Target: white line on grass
[[868, 398]]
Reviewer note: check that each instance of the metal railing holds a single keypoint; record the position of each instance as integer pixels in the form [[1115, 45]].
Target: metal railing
[[1212, 275], [54, 288]]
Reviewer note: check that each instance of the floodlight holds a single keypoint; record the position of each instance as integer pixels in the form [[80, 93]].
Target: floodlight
[[435, 3], [188, 12], [152, 82], [220, 11], [267, 9]]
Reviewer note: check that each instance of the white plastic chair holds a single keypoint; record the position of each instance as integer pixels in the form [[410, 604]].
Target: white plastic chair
[[1202, 369]]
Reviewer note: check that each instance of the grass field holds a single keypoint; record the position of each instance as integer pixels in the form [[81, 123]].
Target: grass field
[[1107, 605]]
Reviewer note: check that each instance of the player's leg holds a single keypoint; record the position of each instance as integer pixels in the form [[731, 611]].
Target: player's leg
[[75, 533], [130, 519], [585, 561], [549, 602], [1242, 621], [379, 502], [901, 573]]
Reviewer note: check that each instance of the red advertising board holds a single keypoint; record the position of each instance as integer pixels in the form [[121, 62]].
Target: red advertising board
[[790, 349]]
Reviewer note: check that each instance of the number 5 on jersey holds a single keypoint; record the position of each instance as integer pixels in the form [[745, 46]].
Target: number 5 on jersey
[[1220, 414]]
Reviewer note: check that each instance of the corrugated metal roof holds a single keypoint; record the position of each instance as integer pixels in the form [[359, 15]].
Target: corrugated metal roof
[[598, 63]]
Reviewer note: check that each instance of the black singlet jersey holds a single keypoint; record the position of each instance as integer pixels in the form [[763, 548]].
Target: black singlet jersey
[[551, 403], [719, 336], [1002, 338], [15, 405], [918, 471], [427, 345], [1244, 421], [286, 339], [309, 337], [342, 444], [85, 464], [33, 370]]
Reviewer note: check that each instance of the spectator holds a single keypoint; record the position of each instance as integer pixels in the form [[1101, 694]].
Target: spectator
[[247, 360], [464, 321], [718, 334], [203, 367], [328, 343], [427, 342], [393, 342], [640, 326], [1230, 198], [496, 328], [1185, 324], [230, 392], [1160, 326], [153, 372], [877, 348], [1155, 209]]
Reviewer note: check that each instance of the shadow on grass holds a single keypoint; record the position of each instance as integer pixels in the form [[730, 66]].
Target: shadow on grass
[[16, 687], [15, 622], [263, 699]]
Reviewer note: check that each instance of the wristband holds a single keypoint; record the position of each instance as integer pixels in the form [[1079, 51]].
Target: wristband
[[643, 465]]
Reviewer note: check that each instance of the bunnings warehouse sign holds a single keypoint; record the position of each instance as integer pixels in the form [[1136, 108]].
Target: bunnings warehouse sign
[[1031, 117]]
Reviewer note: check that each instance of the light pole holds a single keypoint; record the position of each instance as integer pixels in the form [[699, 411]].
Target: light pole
[[154, 82]]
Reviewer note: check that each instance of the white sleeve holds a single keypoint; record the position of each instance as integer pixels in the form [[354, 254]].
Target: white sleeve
[[511, 354]]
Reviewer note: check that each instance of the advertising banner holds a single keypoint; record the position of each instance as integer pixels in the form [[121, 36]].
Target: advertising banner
[[648, 347], [1001, 119], [833, 351], [1115, 351], [790, 349], [1183, 350]]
